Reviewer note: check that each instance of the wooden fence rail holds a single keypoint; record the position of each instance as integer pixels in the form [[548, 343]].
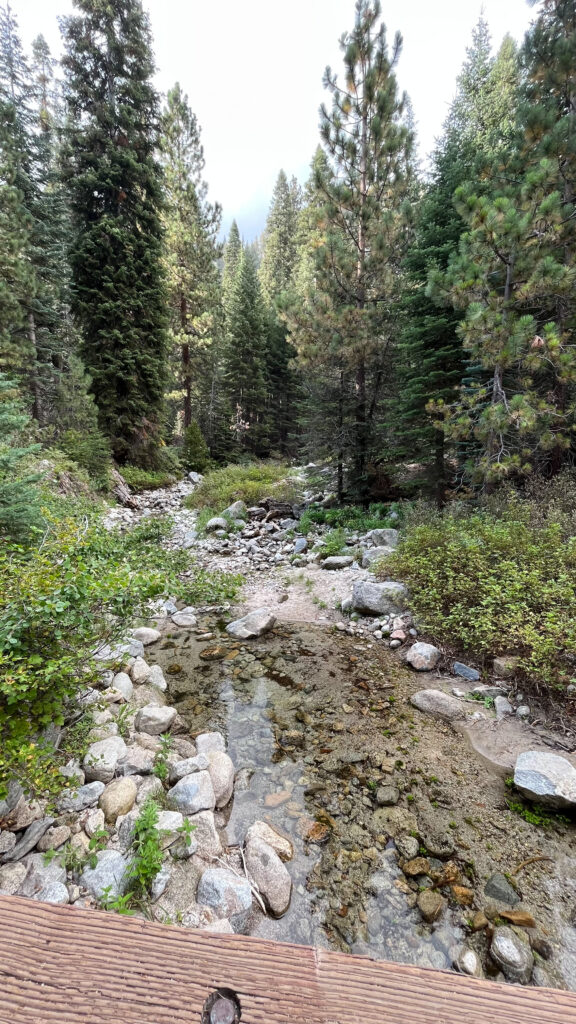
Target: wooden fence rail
[[62, 965]]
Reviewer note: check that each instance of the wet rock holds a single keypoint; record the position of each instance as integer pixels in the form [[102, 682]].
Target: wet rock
[[118, 798], [423, 657], [33, 833], [193, 793], [206, 742], [430, 904], [335, 562], [221, 771], [269, 875], [260, 621], [185, 618], [146, 635], [379, 598], [511, 955], [155, 720], [139, 671], [188, 766], [547, 778], [53, 838], [79, 799], [387, 796], [438, 704], [110, 873], [498, 888], [279, 843], [102, 758], [11, 878], [465, 671], [468, 962], [228, 895]]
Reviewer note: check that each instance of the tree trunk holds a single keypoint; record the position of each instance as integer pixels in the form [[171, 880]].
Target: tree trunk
[[340, 455], [186, 376]]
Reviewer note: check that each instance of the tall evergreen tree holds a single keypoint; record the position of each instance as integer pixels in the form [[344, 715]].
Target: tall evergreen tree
[[115, 184], [192, 249], [246, 358]]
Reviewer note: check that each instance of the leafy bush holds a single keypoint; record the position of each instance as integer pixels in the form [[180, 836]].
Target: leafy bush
[[249, 483], [147, 479], [59, 602], [495, 584], [195, 452], [91, 452], [350, 517], [333, 542]]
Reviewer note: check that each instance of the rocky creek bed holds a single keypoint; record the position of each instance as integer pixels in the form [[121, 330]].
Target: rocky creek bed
[[321, 782]]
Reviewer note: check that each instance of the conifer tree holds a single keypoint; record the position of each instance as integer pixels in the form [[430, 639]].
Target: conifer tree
[[192, 250], [115, 185], [368, 146], [246, 358]]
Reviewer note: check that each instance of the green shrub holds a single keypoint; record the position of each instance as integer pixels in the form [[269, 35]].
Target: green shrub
[[91, 452], [251, 484], [495, 584], [147, 479], [58, 603], [195, 454], [333, 542], [350, 517]]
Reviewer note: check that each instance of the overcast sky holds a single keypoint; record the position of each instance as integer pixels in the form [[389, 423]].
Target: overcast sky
[[253, 73]]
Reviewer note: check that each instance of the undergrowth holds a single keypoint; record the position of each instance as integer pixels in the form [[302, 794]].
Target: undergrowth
[[250, 483], [147, 479], [351, 517]]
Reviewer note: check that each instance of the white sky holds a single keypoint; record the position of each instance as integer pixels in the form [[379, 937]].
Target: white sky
[[253, 73]]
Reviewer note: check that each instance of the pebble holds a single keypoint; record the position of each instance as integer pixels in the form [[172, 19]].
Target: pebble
[[511, 955]]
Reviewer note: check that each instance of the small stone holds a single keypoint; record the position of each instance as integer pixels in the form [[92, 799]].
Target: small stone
[[11, 878], [511, 955], [102, 758], [161, 881], [7, 841], [407, 846], [155, 720], [206, 742], [463, 896], [276, 799], [520, 918], [257, 622], [465, 671], [156, 678], [270, 876], [479, 921], [206, 835], [431, 904], [502, 707], [55, 892], [146, 636], [523, 711], [123, 684], [109, 874], [139, 671], [184, 618], [468, 962], [387, 796], [438, 704], [55, 837], [279, 843], [92, 821], [188, 766], [498, 888], [300, 545], [193, 793], [31, 836], [423, 657], [223, 1011], [151, 786], [78, 800], [217, 523], [335, 562], [118, 798], [418, 866], [228, 894], [24, 813]]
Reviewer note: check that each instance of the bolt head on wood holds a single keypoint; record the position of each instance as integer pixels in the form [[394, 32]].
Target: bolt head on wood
[[223, 1012]]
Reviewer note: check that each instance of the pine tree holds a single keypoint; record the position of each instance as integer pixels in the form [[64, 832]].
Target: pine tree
[[115, 184], [232, 252], [19, 499], [195, 452], [246, 358], [368, 147], [192, 250]]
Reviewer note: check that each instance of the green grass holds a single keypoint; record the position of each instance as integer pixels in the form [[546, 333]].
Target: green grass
[[146, 479], [350, 517], [250, 483]]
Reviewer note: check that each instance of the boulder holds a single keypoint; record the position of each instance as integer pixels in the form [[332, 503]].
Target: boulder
[[279, 843], [260, 621], [146, 635], [438, 704], [237, 510], [55, 892], [205, 834], [512, 955], [228, 895], [155, 720], [371, 555], [32, 835], [156, 678], [122, 685], [118, 798], [300, 545], [185, 618], [423, 657], [193, 793], [382, 538], [546, 778], [206, 742], [269, 875], [136, 761], [139, 671], [335, 562], [108, 877], [53, 838], [221, 771], [39, 874], [378, 598], [102, 758], [217, 523], [188, 766]]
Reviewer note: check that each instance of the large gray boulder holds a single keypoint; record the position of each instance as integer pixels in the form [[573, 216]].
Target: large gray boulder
[[438, 704], [193, 793], [237, 510], [109, 877], [228, 895], [252, 625], [382, 538], [102, 758], [372, 555], [546, 778], [217, 523], [379, 598]]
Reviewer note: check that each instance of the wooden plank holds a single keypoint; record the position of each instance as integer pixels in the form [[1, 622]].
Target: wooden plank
[[62, 965]]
